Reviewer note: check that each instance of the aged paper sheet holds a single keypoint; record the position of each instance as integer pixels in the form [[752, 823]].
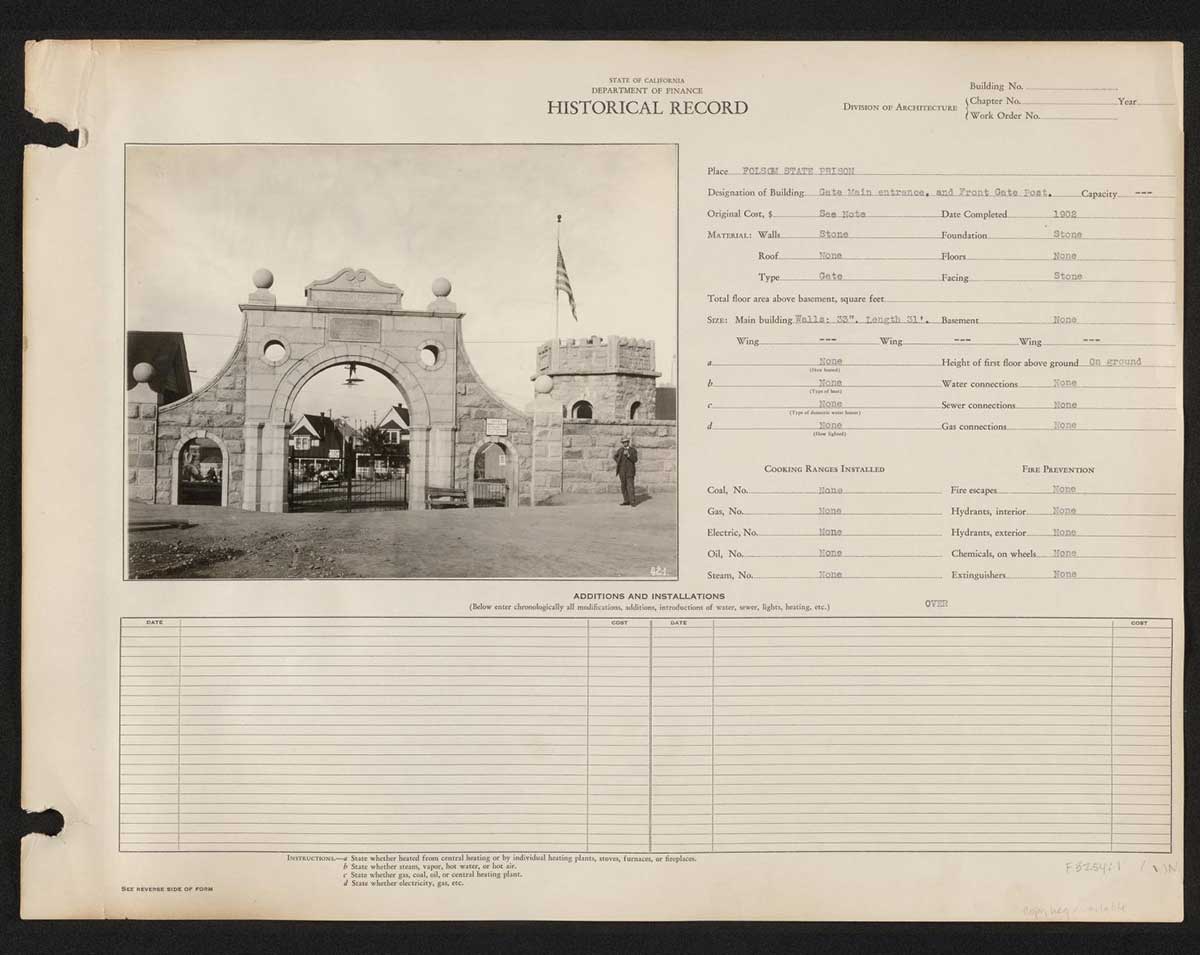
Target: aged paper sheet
[[605, 481]]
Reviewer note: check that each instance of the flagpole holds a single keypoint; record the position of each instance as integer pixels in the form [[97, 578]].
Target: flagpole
[[557, 252]]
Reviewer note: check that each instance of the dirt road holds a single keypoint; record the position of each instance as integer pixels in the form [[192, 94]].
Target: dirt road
[[581, 537]]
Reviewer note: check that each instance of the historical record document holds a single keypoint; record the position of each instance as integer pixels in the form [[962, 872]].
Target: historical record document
[[593, 480]]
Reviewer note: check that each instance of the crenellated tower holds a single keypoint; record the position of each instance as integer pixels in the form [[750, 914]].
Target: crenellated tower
[[608, 378]]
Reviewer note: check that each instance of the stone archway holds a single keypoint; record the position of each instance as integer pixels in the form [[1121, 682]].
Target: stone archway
[[269, 434], [333, 354], [177, 452], [512, 470], [351, 317]]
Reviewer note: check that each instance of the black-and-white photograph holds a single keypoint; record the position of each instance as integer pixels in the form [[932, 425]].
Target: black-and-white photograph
[[394, 361]]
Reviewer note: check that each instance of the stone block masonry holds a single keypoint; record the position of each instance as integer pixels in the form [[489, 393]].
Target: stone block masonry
[[476, 404], [354, 318], [614, 375], [588, 446], [141, 403], [218, 411]]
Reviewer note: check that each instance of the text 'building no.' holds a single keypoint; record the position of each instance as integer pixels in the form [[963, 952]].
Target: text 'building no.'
[[233, 441]]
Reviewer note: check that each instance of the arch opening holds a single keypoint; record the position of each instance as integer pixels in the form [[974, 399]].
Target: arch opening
[[347, 440], [492, 474], [581, 410], [269, 477], [290, 386], [200, 472]]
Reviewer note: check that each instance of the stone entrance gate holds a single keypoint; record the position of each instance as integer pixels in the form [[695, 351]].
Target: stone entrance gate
[[351, 317], [588, 393]]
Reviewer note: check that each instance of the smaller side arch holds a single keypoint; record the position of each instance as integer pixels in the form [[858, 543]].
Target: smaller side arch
[[177, 451], [512, 472]]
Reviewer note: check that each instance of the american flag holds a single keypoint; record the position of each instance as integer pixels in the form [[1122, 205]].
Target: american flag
[[563, 283]]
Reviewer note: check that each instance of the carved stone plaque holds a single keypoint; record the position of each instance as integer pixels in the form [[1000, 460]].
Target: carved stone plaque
[[349, 328]]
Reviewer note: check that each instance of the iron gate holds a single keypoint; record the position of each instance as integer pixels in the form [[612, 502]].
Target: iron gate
[[490, 492], [360, 482], [200, 491]]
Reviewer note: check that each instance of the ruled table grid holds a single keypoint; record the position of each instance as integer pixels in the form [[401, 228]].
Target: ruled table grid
[[638, 735]]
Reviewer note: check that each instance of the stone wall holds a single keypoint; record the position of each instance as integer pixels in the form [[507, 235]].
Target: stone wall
[[609, 395], [244, 409], [642, 390], [596, 355], [475, 404], [547, 447], [609, 373], [588, 446], [218, 410], [141, 403]]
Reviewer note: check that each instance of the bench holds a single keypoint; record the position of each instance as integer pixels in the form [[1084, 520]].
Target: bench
[[445, 497]]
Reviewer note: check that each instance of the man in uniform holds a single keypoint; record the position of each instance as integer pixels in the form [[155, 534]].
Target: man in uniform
[[626, 459]]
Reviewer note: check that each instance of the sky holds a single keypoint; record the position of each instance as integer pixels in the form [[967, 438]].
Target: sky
[[367, 402], [201, 219]]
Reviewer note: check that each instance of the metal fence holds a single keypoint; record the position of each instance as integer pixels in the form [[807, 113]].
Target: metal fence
[[490, 492], [358, 483], [200, 492]]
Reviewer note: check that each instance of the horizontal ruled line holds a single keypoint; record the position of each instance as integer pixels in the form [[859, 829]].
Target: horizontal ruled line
[[254, 784]]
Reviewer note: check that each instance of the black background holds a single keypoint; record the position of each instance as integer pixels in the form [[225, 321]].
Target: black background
[[270, 19]]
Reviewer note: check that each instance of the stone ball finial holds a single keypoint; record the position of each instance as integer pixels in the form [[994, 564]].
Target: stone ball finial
[[143, 371], [543, 385], [441, 287], [263, 279]]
